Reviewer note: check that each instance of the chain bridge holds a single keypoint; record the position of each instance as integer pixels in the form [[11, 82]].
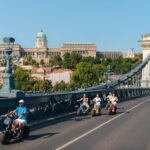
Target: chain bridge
[[71, 132]]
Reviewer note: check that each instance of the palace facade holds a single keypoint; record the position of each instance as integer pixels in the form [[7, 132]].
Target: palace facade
[[41, 51]]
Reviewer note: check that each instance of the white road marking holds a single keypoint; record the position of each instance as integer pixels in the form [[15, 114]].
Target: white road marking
[[101, 125]]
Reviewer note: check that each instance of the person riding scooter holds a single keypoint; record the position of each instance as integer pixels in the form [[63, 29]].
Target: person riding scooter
[[84, 99], [21, 120], [108, 98], [97, 101], [114, 100]]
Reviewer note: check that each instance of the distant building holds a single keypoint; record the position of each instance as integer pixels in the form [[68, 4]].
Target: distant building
[[115, 55], [84, 49], [128, 54], [111, 55], [54, 76]]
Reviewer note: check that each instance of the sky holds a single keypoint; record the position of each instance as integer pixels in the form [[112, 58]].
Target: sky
[[112, 25]]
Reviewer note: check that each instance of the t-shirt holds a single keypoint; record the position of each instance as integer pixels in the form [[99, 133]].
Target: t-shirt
[[97, 99], [85, 100], [20, 111]]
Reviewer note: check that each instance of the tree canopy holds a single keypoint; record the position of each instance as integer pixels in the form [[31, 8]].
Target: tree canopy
[[87, 71], [86, 74]]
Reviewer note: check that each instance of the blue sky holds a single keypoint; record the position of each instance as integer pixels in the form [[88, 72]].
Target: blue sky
[[113, 25]]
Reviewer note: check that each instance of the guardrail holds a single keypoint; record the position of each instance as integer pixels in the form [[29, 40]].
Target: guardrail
[[48, 104]]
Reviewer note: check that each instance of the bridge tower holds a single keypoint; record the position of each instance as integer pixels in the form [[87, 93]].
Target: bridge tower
[[145, 46]]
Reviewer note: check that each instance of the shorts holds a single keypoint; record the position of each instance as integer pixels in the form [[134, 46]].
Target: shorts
[[17, 121], [114, 103], [86, 105], [98, 103]]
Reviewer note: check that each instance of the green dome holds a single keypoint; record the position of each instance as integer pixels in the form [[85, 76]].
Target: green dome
[[41, 34]]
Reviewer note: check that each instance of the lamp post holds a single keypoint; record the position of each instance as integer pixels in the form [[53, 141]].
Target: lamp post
[[8, 87]]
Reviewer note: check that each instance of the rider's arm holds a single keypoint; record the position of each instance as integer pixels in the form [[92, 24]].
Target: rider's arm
[[117, 99], [81, 99], [11, 112], [94, 100]]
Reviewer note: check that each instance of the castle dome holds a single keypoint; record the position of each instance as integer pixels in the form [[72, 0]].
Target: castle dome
[[41, 40], [41, 34]]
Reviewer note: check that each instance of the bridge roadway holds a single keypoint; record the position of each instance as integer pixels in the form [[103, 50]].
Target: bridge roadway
[[128, 130]]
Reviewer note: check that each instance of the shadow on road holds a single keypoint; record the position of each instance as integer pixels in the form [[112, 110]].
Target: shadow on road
[[44, 135], [81, 118], [33, 137]]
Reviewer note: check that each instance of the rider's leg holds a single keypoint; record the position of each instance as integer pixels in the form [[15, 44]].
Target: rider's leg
[[114, 106], [87, 106], [96, 108], [81, 107], [13, 128], [14, 125], [20, 125]]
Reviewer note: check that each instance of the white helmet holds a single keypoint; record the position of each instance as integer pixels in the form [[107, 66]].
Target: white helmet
[[21, 101]]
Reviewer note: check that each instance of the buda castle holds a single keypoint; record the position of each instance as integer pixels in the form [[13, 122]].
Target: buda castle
[[41, 51]]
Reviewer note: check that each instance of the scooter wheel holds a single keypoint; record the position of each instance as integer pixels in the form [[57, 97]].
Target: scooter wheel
[[6, 138], [93, 113], [78, 113]]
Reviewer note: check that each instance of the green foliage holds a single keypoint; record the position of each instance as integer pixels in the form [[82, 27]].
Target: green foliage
[[45, 86], [34, 63], [29, 61], [86, 74], [89, 60], [88, 71], [42, 62], [60, 86], [122, 66], [71, 60], [21, 78], [56, 61]]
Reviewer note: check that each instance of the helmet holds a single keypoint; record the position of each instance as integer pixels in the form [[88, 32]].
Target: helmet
[[21, 101]]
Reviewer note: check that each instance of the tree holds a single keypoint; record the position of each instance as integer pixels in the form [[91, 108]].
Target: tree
[[75, 58], [60, 86], [34, 63], [45, 86], [27, 60], [86, 74], [42, 62], [71, 60], [21, 78], [89, 59], [56, 61], [66, 61]]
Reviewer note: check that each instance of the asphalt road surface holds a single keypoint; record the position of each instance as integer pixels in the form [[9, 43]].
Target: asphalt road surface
[[129, 129]]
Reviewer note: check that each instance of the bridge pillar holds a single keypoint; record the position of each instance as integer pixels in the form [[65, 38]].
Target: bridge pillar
[[145, 46], [8, 87]]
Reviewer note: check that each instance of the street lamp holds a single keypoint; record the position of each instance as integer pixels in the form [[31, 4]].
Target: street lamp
[[10, 42], [8, 87]]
